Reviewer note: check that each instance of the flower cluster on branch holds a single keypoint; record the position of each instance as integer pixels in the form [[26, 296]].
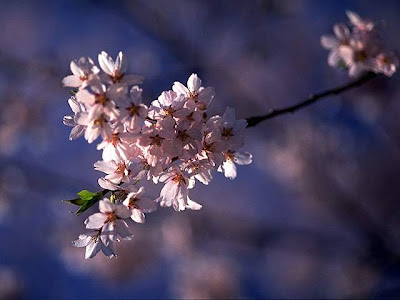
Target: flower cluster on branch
[[172, 141], [359, 47]]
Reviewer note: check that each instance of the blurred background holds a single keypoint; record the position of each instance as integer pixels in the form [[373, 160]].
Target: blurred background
[[315, 215]]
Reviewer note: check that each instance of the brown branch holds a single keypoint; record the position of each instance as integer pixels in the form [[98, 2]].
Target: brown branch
[[253, 121]]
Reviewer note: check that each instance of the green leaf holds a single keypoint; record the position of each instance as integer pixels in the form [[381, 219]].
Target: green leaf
[[77, 201], [87, 204], [86, 200], [86, 195]]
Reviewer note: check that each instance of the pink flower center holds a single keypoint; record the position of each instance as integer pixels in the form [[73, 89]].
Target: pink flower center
[[133, 110], [209, 147], [193, 94], [101, 99], [117, 77], [227, 132], [182, 135], [156, 140], [169, 111], [111, 217], [360, 55], [99, 121], [121, 167], [178, 179], [132, 204], [115, 139], [229, 155]]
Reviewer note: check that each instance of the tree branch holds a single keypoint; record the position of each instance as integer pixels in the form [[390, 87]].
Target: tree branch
[[253, 121]]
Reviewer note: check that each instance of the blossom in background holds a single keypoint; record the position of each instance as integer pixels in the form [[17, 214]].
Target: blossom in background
[[172, 141], [359, 48], [334, 43]]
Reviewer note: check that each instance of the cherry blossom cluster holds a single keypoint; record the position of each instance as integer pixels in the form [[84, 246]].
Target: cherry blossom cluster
[[359, 48], [171, 141]]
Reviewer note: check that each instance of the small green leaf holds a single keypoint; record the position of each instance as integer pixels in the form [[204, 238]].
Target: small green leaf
[[77, 201], [86, 195], [86, 200], [89, 203]]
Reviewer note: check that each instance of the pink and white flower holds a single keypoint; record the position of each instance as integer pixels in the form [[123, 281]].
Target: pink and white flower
[[202, 96], [175, 191], [117, 171], [110, 221], [93, 244], [119, 145], [334, 43], [115, 70], [139, 205], [133, 112], [228, 167], [168, 104], [100, 98], [360, 49], [95, 127], [81, 71], [77, 108], [386, 63]]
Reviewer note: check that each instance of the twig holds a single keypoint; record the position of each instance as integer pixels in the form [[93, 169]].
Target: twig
[[253, 121]]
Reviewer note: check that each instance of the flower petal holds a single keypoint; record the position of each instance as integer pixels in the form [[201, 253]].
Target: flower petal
[[71, 81], [92, 249], [242, 158], [105, 206], [137, 216], [194, 83], [122, 211], [123, 230], [193, 205], [229, 169], [77, 132], [95, 221]]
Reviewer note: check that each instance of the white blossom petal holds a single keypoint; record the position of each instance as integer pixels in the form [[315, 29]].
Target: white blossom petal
[[71, 81], [106, 206], [194, 83], [179, 88], [123, 230], [137, 216], [95, 221], [229, 169], [92, 249], [76, 132], [242, 158], [193, 205], [329, 42]]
